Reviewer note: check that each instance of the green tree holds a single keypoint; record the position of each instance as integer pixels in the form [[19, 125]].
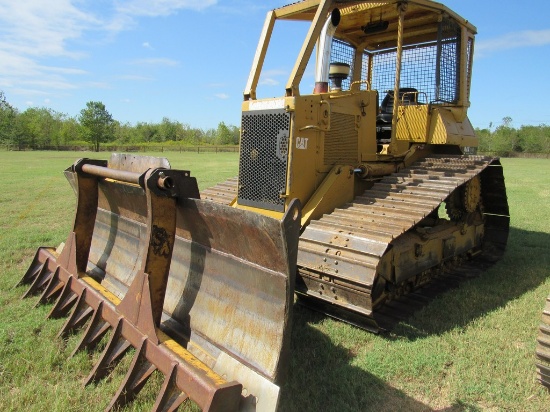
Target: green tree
[[70, 132], [536, 139], [7, 121], [227, 134], [167, 130], [42, 126], [147, 132], [98, 124], [195, 136], [485, 139], [124, 132]]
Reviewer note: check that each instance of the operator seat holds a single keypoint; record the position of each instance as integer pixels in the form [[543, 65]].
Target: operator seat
[[408, 96]]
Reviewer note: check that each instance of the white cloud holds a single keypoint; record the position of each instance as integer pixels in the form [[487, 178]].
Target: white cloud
[[155, 61], [246, 7], [42, 28], [28, 92], [119, 22], [63, 70], [274, 72], [154, 8], [58, 83], [268, 82], [222, 96], [23, 75], [147, 45], [33, 31], [528, 38], [99, 85], [135, 78], [269, 77]]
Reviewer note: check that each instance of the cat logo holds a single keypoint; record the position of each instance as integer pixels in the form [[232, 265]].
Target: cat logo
[[301, 142]]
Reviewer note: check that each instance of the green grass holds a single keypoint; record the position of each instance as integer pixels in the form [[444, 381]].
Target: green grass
[[470, 349]]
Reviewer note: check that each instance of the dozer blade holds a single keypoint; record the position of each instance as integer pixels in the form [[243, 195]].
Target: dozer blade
[[542, 350], [202, 291]]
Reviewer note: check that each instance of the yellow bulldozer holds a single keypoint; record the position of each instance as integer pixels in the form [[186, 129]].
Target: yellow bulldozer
[[357, 191], [542, 350]]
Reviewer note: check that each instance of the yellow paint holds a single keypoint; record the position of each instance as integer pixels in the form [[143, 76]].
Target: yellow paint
[[338, 128], [189, 358], [337, 188], [434, 125], [164, 339], [270, 213], [101, 289]]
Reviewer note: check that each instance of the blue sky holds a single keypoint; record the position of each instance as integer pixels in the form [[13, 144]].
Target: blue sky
[[189, 59]]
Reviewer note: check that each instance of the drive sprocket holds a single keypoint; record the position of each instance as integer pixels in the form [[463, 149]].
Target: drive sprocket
[[472, 194], [464, 200]]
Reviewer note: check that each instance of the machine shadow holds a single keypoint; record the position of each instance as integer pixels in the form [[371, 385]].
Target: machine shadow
[[523, 268], [322, 378]]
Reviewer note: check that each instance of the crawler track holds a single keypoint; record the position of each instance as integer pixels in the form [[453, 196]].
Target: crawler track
[[224, 192], [543, 347], [374, 261]]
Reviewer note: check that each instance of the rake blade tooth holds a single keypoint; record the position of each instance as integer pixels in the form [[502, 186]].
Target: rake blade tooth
[[169, 397], [79, 316], [136, 377], [94, 332], [64, 302], [53, 288], [33, 270], [39, 278], [113, 352]]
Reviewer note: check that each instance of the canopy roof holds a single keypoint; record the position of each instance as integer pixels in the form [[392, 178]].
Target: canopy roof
[[420, 25]]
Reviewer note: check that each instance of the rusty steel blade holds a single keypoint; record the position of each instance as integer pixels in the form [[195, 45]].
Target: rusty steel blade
[[138, 374], [169, 398], [542, 350], [200, 289], [96, 329], [52, 290], [194, 377], [65, 301], [112, 354], [78, 316]]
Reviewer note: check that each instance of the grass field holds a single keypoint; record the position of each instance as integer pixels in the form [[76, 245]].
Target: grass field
[[470, 349]]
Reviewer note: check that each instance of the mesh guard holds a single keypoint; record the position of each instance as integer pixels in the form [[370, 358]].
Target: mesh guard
[[264, 159]]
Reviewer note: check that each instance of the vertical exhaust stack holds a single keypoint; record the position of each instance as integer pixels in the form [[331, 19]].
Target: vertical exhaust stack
[[324, 46]]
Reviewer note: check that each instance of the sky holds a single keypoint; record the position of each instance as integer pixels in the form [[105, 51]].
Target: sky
[[188, 60]]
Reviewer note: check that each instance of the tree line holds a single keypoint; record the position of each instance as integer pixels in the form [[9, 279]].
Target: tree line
[[505, 140], [41, 128]]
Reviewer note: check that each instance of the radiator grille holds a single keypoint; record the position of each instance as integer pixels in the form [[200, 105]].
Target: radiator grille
[[263, 158], [341, 144]]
